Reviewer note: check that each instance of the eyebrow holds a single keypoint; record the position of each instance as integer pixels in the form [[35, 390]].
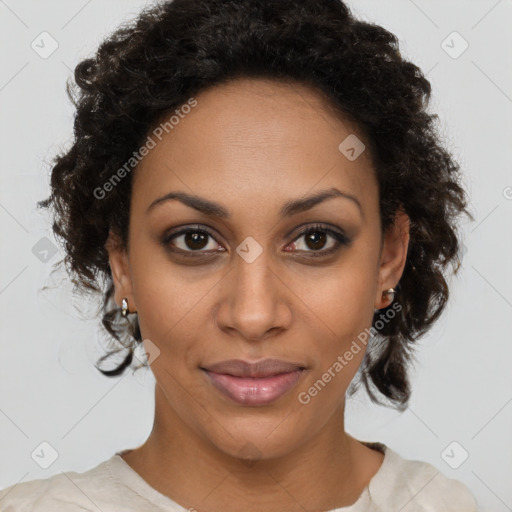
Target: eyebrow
[[289, 208]]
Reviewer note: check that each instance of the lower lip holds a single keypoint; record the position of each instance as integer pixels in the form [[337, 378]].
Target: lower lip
[[254, 391]]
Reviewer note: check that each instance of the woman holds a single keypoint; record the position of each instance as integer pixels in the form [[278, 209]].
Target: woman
[[260, 195]]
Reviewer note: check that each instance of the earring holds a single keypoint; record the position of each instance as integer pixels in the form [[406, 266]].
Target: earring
[[390, 291], [124, 307]]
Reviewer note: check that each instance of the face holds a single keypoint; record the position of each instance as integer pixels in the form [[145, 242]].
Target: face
[[289, 264]]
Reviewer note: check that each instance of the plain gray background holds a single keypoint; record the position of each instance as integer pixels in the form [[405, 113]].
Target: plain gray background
[[462, 386]]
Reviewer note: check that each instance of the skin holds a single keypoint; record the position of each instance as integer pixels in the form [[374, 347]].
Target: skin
[[251, 145]]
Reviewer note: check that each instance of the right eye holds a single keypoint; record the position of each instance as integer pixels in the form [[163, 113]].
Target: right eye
[[191, 240]]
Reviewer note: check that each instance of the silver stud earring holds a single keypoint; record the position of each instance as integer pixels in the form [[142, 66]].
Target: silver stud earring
[[389, 291], [124, 307]]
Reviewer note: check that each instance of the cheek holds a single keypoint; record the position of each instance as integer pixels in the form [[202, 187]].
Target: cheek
[[345, 300], [343, 297], [165, 301], [343, 307], [166, 316]]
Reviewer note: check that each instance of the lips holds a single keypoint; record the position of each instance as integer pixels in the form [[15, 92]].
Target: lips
[[257, 383], [264, 368]]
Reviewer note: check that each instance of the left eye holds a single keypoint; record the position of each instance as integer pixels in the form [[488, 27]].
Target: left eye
[[315, 239]]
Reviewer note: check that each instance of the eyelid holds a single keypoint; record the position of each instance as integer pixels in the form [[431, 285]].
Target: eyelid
[[308, 226]]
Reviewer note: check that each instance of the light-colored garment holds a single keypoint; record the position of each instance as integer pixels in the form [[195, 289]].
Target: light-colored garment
[[399, 485]]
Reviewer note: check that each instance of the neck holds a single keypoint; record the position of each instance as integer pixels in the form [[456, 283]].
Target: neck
[[326, 472]]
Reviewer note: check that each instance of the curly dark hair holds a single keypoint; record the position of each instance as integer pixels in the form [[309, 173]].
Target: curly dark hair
[[151, 66]]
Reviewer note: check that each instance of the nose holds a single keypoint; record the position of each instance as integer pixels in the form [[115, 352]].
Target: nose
[[255, 301]]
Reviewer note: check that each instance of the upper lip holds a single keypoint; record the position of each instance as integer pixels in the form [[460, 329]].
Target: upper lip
[[263, 368]]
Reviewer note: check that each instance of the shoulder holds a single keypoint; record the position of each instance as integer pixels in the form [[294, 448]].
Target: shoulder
[[72, 490], [416, 486]]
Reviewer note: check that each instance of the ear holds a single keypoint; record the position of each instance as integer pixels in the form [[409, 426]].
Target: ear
[[393, 257], [120, 268]]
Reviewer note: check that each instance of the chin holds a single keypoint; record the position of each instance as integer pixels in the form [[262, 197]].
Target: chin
[[253, 439]]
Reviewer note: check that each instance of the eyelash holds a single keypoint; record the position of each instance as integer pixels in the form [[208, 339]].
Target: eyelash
[[340, 239]]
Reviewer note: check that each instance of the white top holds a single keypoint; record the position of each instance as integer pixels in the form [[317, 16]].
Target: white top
[[113, 486]]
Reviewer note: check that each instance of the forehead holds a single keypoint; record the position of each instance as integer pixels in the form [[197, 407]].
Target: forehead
[[254, 137]]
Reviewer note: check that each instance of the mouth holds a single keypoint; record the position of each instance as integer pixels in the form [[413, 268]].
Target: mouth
[[254, 390], [254, 384]]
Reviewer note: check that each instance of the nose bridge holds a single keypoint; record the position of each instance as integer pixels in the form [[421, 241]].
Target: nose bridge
[[253, 277], [254, 292], [253, 259]]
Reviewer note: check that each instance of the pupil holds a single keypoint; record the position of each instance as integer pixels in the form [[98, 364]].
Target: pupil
[[195, 240], [317, 238]]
